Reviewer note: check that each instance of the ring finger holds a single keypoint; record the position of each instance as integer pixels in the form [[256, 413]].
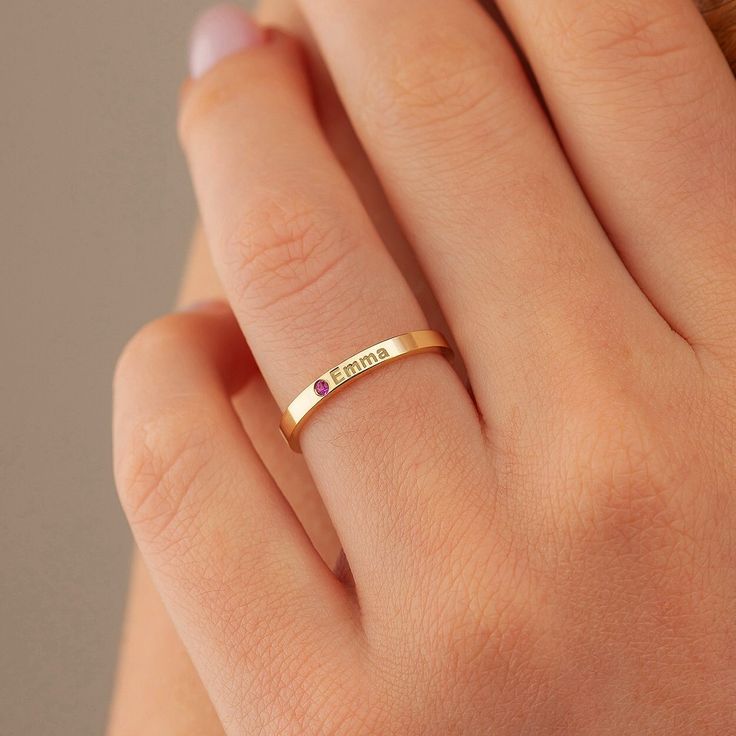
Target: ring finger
[[311, 283]]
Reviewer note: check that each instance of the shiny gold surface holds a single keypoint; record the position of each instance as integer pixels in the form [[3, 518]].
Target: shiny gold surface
[[335, 379]]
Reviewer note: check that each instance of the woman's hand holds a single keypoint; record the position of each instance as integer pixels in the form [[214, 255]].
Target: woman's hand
[[554, 556], [157, 690]]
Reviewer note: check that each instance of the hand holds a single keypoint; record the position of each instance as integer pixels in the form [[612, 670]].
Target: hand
[[552, 557]]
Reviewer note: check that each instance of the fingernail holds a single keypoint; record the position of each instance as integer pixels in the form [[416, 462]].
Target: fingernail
[[221, 31]]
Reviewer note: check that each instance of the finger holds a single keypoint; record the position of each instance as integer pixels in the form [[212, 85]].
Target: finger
[[645, 104], [348, 151], [311, 284], [525, 275], [260, 417], [157, 689], [224, 548]]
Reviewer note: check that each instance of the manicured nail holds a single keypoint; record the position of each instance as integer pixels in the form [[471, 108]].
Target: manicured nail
[[221, 31]]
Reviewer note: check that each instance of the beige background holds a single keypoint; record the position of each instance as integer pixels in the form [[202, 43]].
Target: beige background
[[95, 215]]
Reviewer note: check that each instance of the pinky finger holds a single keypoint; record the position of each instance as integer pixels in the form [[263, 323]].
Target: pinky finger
[[249, 595]]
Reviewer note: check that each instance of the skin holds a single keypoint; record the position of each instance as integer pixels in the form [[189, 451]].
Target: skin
[[157, 688], [628, 521]]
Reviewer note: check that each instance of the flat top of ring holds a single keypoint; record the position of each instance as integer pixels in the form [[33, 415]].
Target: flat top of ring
[[419, 341]]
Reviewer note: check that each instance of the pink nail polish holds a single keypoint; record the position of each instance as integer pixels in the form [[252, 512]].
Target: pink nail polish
[[219, 32]]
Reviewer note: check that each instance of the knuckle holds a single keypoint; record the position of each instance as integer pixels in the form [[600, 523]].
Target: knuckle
[[629, 474], [163, 459], [429, 81], [286, 253], [620, 39], [162, 453], [146, 343]]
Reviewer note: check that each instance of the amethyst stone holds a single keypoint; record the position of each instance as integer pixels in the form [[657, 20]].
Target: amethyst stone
[[321, 387]]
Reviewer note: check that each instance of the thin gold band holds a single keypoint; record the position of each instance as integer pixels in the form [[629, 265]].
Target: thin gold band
[[410, 343]]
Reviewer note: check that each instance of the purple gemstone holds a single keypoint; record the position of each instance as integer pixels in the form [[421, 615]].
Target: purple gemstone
[[321, 387]]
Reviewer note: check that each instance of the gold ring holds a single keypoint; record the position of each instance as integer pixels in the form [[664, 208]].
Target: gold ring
[[410, 343]]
